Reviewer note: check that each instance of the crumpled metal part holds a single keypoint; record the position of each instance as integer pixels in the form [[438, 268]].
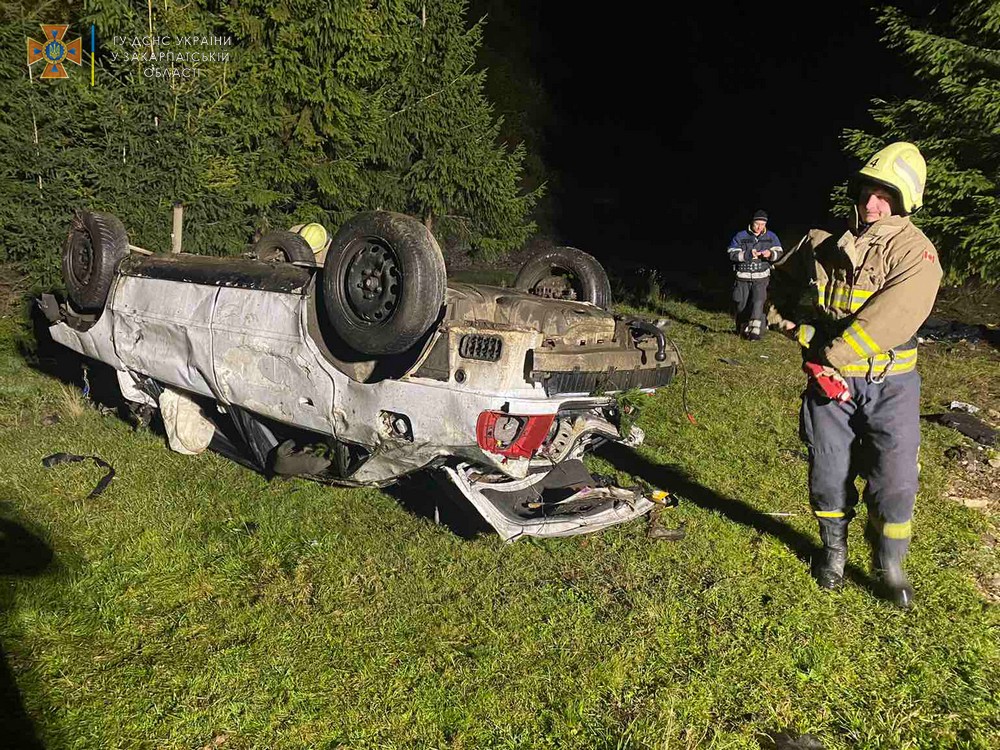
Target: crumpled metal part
[[608, 506]]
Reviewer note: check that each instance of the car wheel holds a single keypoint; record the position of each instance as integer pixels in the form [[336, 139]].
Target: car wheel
[[566, 273], [282, 247], [383, 282], [96, 244]]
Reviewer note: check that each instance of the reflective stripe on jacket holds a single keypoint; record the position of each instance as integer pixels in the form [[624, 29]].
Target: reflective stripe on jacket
[[741, 249], [872, 291]]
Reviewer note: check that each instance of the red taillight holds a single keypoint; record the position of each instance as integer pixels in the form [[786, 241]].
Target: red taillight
[[512, 435]]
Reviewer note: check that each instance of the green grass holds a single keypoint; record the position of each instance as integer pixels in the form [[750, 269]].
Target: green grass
[[196, 605]]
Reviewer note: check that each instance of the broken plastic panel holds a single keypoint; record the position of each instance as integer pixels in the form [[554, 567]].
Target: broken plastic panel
[[564, 501]]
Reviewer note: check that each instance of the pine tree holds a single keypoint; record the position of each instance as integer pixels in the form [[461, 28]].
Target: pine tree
[[320, 109], [365, 106], [437, 152], [955, 54], [133, 144], [512, 38]]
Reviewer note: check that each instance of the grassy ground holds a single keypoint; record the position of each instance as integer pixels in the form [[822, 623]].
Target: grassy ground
[[196, 605]]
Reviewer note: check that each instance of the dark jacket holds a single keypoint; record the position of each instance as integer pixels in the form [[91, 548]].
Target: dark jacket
[[741, 249]]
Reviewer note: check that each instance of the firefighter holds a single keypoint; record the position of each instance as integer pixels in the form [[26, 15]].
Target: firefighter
[[872, 286], [752, 253]]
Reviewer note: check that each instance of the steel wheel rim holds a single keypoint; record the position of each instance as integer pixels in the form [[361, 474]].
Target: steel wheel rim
[[82, 258], [372, 282]]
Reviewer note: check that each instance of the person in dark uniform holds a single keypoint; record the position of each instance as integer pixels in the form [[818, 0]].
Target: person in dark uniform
[[752, 252]]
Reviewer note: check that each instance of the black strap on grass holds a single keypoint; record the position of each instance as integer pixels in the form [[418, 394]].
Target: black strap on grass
[[67, 458]]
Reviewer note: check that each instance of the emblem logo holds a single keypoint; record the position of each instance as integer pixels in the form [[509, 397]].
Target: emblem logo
[[54, 51]]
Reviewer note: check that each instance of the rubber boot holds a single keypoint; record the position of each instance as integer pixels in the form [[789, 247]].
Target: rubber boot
[[829, 567], [872, 535], [895, 586]]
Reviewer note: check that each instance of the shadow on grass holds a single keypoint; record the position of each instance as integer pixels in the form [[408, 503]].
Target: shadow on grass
[[430, 497], [40, 352], [22, 554], [677, 481]]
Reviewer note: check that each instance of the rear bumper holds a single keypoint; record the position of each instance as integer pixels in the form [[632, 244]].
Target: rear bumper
[[563, 501], [601, 381]]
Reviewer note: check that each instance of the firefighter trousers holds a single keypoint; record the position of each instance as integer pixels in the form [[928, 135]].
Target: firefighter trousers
[[876, 436]]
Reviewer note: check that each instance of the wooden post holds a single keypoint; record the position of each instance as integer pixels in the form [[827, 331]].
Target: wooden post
[[175, 235]]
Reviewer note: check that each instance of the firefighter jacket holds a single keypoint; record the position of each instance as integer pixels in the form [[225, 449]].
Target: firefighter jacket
[[741, 249], [871, 290]]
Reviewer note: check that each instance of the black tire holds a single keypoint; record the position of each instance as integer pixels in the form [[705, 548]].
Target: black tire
[[96, 244], [582, 271], [383, 282], [283, 247]]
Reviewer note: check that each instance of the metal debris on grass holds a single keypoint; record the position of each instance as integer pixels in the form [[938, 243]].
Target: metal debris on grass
[[788, 741], [952, 331], [660, 532], [968, 425], [963, 406]]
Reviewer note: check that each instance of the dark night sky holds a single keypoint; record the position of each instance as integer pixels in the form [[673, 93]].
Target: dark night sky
[[672, 126]]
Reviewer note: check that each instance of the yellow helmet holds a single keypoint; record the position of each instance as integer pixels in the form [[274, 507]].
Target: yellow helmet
[[315, 234], [899, 167]]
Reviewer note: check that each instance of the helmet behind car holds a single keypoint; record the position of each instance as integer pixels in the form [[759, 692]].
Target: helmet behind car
[[316, 235]]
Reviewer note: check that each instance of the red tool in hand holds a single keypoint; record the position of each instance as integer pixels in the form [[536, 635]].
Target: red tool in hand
[[833, 388]]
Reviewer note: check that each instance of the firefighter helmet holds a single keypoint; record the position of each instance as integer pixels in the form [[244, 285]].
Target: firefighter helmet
[[316, 235], [899, 167]]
